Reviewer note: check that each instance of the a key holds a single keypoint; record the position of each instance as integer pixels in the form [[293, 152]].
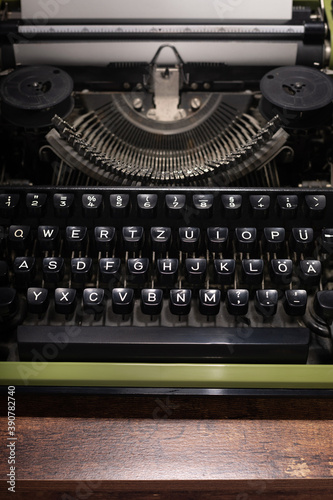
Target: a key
[[310, 272], [24, 269]]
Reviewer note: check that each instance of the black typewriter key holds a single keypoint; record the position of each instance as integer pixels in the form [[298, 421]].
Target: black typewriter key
[[133, 238], [147, 205], [189, 238], [120, 204], [48, 237], [160, 238], [281, 271], [310, 272], [3, 273], [19, 237], [175, 205], [203, 204], [326, 242], [92, 204], [137, 270], [252, 271], [260, 205], [81, 269], [109, 269], [315, 205], [323, 304], [24, 270], [273, 239], [195, 270], [180, 301], [224, 271], [301, 239], [37, 300], [232, 205], [8, 204], [266, 302], [295, 302], [8, 301], [237, 301], [287, 205], [63, 204], [76, 238], [217, 239], [209, 302], [36, 204], [167, 271], [104, 238], [65, 300], [151, 301], [245, 239], [93, 300], [122, 300], [53, 269]]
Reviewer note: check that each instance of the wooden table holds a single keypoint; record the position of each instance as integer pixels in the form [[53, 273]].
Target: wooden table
[[170, 447]]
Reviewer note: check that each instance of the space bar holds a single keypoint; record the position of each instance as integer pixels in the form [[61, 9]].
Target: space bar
[[163, 344]]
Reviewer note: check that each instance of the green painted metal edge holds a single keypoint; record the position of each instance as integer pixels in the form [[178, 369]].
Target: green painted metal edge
[[166, 375], [329, 19]]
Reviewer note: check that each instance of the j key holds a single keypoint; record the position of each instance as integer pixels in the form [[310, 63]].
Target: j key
[[295, 302], [19, 237], [209, 302], [301, 239], [93, 300], [246, 239], [310, 272], [323, 304], [122, 300], [195, 270], [8, 301], [92, 204], [151, 301], [180, 301], [120, 204], [224, 271], [237, 301], [167, 271], [65, 300], [203, 203], [217, 239], [232, 205], [24, 270], [281, 271], [133, 238], [104, 237], [253, 270], [274, 238], [160, 238], [81, 269], [175, 204], [147, 205], [63, 204], [37, 300], [36, 204], [109, 270], [189, 238], [48, 237], [8, 204], [266, 302], [137, 270], [53, 269], [315, 205], [260, 205], [287, 205], [76, 238], [327, 240], [3, 273]]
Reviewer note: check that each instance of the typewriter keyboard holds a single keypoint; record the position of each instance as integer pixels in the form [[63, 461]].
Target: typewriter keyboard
[[213, 275]]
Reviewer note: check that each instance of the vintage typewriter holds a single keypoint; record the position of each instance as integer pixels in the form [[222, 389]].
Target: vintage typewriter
[[166, 203]]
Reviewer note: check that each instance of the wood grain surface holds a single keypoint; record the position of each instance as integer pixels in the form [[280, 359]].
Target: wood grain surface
[[165, 447]]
